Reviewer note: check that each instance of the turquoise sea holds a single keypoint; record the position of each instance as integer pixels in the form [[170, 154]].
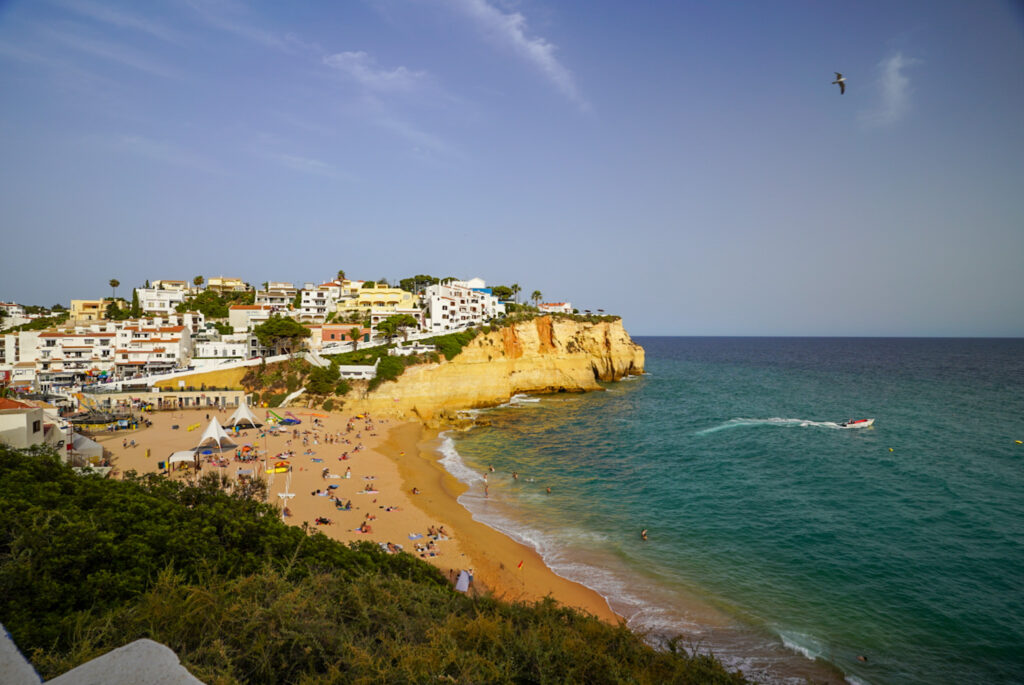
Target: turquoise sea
[[775, 535]]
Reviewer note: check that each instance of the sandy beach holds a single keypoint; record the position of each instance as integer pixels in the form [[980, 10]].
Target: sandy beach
[[385, 460]]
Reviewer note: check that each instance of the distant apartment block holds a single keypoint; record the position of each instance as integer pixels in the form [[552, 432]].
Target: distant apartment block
[[160, 302], [456, 305], [220, 284], [245, 317], [179, 286], [84, 311]]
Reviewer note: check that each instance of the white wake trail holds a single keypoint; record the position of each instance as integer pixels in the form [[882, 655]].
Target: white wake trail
[[776, 421]]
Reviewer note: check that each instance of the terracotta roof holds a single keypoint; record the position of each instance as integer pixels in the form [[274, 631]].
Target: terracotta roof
[[6, 403]]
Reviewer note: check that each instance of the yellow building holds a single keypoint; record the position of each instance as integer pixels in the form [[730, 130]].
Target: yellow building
[[89, 310], [377, 298], [219, 284]]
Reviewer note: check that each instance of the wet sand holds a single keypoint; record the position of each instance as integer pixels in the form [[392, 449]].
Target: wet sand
[[386, 456]]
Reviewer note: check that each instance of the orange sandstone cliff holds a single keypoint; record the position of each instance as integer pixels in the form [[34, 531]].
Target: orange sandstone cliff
[[544, 355]]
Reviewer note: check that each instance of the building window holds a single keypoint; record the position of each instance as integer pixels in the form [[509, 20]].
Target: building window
[[36, 426]]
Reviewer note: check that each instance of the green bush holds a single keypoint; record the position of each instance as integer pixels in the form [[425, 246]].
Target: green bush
[[451, 344], [388, 369], [40, 324], [274, 399], [342, 388], [328, 404], [291, 382], [322, 381]]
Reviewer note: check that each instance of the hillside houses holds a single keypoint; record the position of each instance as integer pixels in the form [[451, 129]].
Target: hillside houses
[[91, 348]]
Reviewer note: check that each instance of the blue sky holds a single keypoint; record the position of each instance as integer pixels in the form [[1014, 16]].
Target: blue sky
[[687, 165]]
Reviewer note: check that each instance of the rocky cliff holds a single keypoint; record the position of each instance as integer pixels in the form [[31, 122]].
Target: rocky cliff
[[544, 355]]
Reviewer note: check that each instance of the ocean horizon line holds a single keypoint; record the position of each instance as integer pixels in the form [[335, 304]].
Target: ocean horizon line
[[827, 337]]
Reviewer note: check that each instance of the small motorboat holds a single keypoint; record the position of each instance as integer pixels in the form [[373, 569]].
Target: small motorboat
[[856, 423]]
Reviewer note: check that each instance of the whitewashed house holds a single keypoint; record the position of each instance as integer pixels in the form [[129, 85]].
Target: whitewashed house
[[555, 307], [160, 302], [455, 306]]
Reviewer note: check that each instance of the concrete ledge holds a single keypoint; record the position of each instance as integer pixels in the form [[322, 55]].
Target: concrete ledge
[[143, 662]]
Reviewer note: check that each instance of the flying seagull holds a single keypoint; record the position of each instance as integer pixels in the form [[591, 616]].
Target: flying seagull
[[841, 81]]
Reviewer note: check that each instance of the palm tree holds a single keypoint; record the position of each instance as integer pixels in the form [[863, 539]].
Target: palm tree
[[341, 275], [515, 291], [113, 288], [536, 296], [198, 282], [265, 284], [354, 333]]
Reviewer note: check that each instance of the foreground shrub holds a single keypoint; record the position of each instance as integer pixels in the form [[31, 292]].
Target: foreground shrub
[[88, 565]]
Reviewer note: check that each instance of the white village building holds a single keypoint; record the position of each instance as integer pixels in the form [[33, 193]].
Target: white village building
[[459, 304]]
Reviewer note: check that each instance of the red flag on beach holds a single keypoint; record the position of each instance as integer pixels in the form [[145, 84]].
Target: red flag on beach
[[520, 565]]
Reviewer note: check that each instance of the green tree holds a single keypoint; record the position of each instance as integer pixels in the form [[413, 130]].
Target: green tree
[[415, 284], [136, 309], [403, 323], [515, 291], [355, 333], [297, 300], [536, 296], [198, 281], [265, 284], [502, 292], [113, 288], [212, 304], [115, 313], [386, 327], [341, 275], [282, 334]]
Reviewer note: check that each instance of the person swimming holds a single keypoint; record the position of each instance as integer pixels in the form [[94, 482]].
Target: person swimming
[[643, 534]]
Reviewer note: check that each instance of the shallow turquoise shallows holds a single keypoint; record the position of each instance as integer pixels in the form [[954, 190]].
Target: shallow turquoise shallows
[[774, 534]]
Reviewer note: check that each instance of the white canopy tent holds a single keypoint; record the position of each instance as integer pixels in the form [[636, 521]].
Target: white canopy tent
[[215, 434], [244, 416], [184, 455]]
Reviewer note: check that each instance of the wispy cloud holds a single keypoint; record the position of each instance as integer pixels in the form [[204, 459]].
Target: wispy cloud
[[371, 109], [423, 142], [510, 29], [121, 19], [168, 153], [229, 16], [306, 165], [895, 90], [362, 68], [114, 53]]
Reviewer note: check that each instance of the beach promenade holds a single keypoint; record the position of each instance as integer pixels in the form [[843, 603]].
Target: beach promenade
[[385, 462]]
